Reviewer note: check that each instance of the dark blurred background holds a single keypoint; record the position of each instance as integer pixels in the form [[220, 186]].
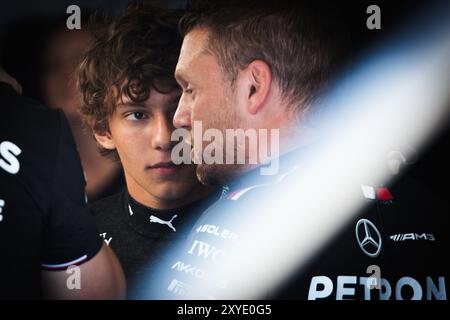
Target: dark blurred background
[[37, 49]]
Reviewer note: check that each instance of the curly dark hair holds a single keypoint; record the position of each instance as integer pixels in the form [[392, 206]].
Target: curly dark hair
[[130, 55]]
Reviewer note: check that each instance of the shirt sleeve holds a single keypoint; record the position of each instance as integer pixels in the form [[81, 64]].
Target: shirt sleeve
[[70, 234]]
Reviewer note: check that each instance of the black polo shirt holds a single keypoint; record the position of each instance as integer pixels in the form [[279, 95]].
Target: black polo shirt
[[400, 238]]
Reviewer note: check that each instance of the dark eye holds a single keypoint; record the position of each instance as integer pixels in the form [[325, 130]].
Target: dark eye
[[134, 116]]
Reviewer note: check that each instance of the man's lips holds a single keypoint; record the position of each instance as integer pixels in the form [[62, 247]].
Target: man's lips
[[166, 164], [164, 167]]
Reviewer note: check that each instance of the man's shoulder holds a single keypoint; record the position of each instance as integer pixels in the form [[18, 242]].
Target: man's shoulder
[[37, 130], [21, 110]]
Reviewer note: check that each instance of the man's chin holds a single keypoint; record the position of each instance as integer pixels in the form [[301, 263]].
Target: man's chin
[[174, 193], [214, 175]]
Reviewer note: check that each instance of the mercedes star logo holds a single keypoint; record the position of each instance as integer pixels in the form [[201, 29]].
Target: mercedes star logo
[[368, 237]]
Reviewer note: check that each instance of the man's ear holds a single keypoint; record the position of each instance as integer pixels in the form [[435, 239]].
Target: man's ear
[[105, 140], [259, 82]]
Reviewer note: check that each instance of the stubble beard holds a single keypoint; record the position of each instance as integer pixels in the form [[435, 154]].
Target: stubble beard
[[221, 174]]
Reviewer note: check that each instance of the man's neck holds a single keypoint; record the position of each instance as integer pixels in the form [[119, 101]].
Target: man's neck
[[149, 200], [291, 138]]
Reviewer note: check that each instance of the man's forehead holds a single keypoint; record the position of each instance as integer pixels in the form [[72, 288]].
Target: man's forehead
[[194, 46]]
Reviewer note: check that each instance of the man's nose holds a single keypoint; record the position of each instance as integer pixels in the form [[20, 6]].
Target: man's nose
[[161, 137], [182, 117]]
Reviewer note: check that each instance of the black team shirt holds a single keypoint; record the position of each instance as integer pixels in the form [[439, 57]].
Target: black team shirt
[[44, 220], [142, 236], [402, 230]]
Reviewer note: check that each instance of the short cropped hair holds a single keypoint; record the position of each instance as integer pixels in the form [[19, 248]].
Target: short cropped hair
[[304, 43]]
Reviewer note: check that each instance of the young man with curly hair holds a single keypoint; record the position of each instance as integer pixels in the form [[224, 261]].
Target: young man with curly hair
[[130, 96]]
